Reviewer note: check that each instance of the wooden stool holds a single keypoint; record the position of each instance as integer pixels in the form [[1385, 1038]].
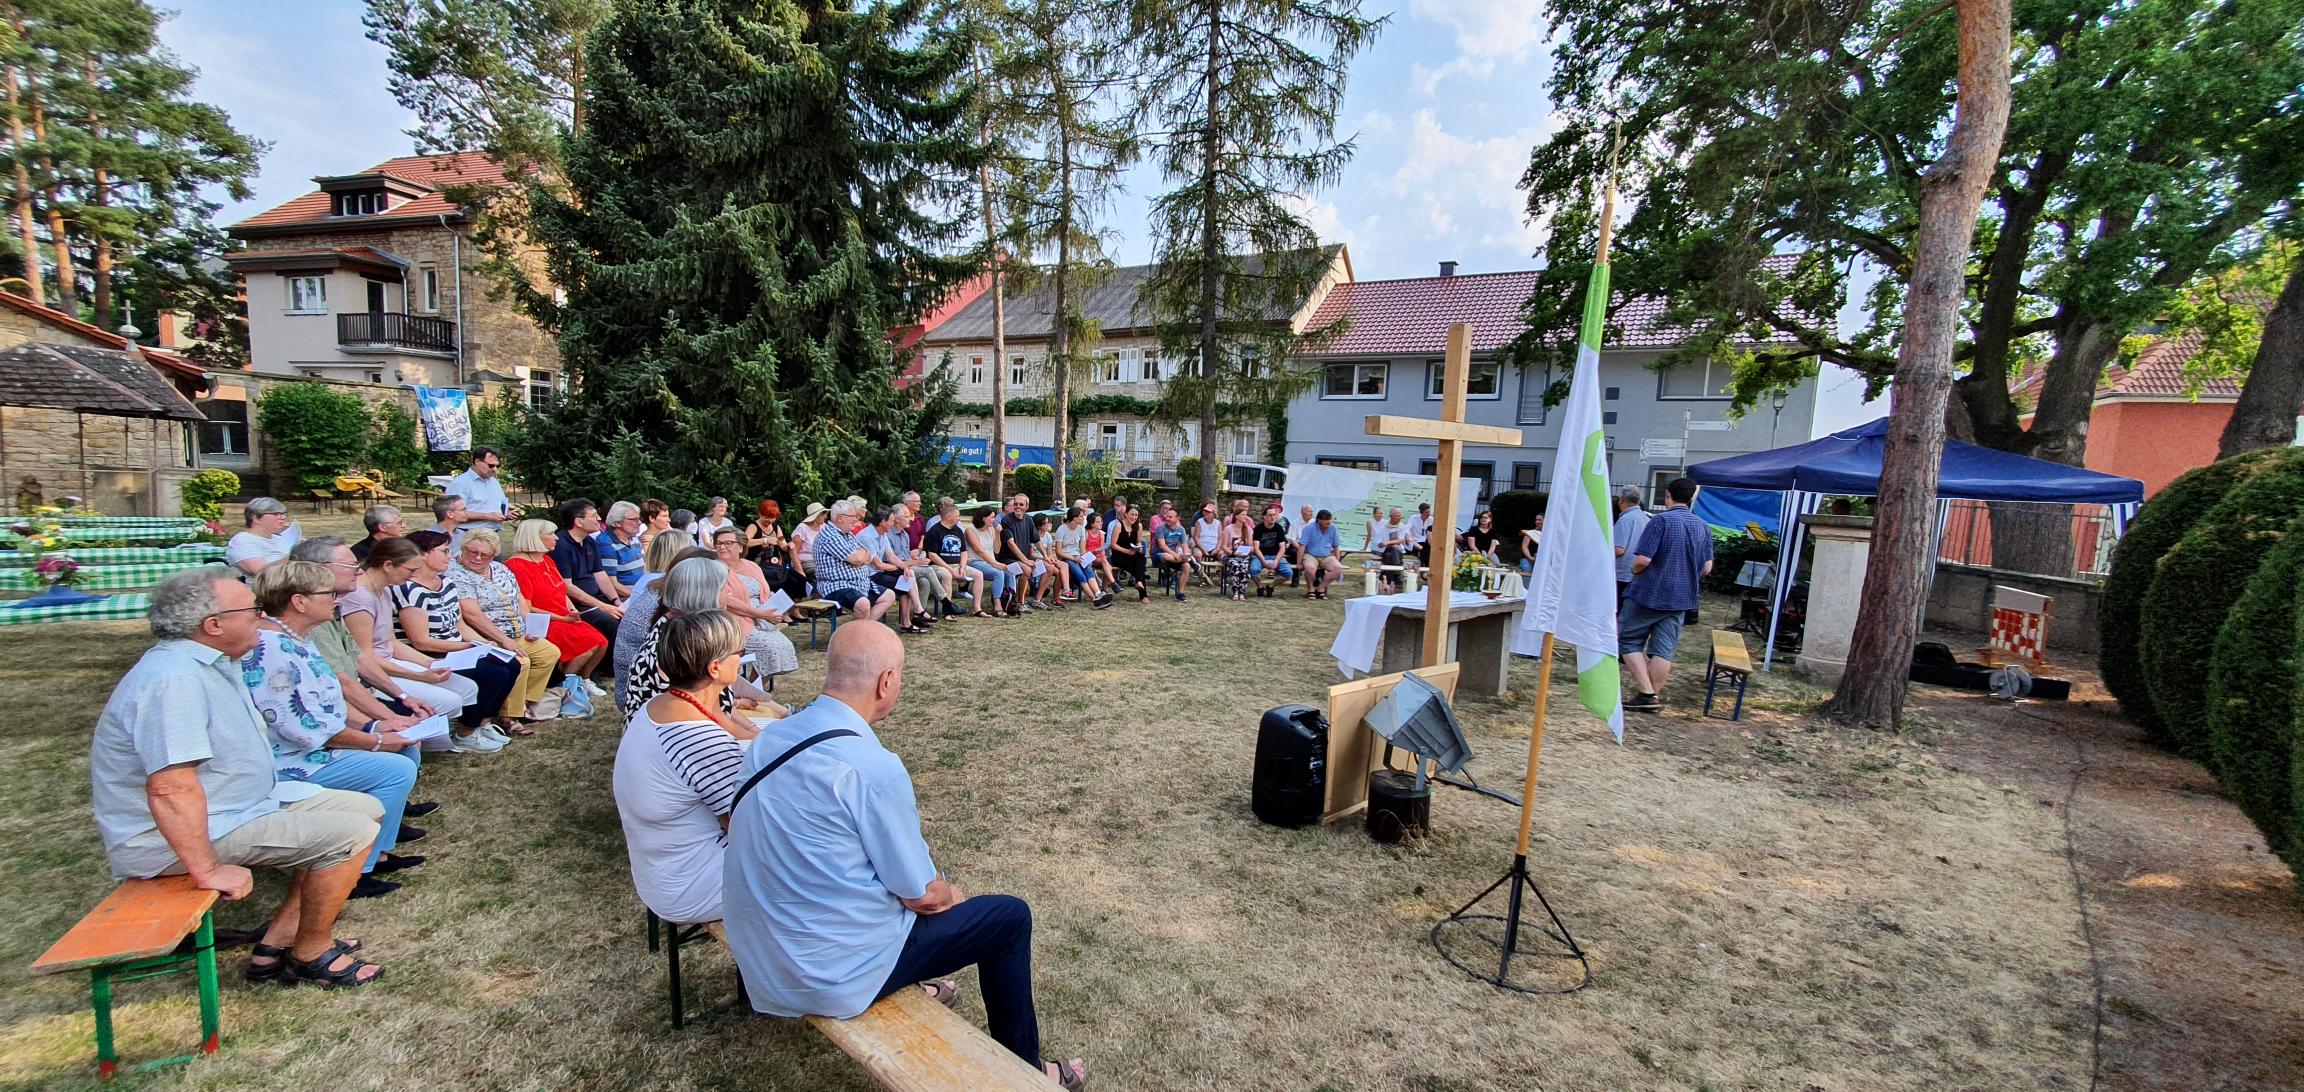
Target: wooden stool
[[1729, 663], [819, 610], [134, 934]]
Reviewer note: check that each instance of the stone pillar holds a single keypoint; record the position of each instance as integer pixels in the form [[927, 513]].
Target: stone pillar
[[1835, 589]]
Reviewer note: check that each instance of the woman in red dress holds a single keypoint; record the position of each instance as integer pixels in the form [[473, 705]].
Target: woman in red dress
[[581, 646]]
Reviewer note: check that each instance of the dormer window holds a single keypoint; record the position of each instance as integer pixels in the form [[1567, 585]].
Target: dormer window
[[362, 202]]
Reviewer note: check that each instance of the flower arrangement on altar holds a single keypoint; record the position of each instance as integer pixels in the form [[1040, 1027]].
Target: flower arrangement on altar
[[1467, 574], [59, 571]]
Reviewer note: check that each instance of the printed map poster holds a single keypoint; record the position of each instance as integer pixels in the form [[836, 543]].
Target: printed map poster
[[447, 419], [1358, 496]]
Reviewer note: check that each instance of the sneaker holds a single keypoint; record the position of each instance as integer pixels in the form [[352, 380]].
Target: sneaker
[[1644, 703], [596, 689], [1179, 597], [418, 811], [1069, 597], [370, 887], [474, 743], [494, 734], [410, 834], [1102, 601]]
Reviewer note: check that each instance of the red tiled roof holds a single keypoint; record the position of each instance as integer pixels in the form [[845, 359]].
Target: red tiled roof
[[2158, 372], [62, 321], [1413, 315], [435, 172]]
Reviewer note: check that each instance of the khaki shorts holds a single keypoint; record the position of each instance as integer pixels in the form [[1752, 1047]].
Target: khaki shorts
[[328, 829]]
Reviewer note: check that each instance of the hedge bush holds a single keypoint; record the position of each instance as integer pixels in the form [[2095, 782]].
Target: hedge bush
[[2252, 694], [2158, 527], [204, 493], [2196, 586], [395, 448], [1516, 509], [318, 432], [1139, 492], [1188, 496], [1035, 481]]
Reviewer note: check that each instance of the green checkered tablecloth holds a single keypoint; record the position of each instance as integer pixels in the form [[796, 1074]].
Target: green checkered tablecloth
[[105, 578], [123, 555], [111, 609]]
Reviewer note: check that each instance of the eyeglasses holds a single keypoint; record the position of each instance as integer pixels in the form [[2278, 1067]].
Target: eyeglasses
[[492, 464], [353, 566], [237, 610], [323, 591]]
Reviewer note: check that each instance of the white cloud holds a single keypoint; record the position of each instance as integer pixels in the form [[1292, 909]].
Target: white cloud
[[1428, 80], [1465, 191], [1492, 29]]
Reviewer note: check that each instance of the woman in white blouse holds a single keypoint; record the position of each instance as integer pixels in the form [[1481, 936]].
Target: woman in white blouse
[[678, 767]]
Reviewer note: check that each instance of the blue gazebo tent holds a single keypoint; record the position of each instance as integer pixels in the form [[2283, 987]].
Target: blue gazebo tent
[[1847, 463]]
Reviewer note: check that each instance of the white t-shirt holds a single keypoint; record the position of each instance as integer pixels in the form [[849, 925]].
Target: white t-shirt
[[271, 551], [1419, 529], [673, 782]]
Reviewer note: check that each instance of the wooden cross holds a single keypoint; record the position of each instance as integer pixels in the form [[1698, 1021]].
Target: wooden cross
[[1452, 433]]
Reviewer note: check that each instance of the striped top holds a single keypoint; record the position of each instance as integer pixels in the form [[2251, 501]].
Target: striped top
[[673, 782]]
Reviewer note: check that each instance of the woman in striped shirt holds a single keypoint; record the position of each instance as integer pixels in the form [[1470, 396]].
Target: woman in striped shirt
[[678, 767]]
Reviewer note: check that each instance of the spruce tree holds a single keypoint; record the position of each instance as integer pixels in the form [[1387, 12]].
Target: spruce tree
[[749, 207]]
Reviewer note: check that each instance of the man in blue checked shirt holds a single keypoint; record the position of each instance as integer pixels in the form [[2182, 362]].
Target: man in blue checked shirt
[[1674, 553]]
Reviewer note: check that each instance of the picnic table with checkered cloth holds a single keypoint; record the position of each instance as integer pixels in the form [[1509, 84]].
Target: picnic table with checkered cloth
[[120, 555], [109, 609], [99, 578]]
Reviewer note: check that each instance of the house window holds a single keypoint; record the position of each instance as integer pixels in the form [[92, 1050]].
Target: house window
[[1484, 473], [1107, 367], [975, 371], [1246, 444], [1607, 417], [308, 295], [543, 388], [1659, 477], [1528, 476], [362, 203], [1706, 379], [1613, 393], [1129, 364], [431, 286], [1152, 365], [1354, 381], [225, 432], [1352, 464], [1251, 363], [1533, 385], [1484, 382], [1109, 438], [376, 377], [1015, 371]]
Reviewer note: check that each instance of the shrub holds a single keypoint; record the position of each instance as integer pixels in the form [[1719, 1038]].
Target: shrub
[[1188, 496], [394, 447], [2196, 585], [1139, 493], [317, 431], [1730, 550], [1035, 481], [2252, 694], [2160, 525], [203, 495]]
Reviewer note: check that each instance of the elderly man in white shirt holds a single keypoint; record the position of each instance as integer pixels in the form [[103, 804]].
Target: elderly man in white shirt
[[183, 783]]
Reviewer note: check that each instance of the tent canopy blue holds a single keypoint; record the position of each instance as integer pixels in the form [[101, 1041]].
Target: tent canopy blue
[[1848, 462]]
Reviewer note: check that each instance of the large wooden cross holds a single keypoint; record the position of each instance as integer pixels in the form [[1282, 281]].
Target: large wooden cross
[[1452, 433]]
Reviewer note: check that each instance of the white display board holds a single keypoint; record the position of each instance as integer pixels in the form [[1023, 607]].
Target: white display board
[[1356, 496]]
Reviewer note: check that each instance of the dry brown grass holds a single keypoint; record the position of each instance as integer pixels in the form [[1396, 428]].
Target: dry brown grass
[[1767, 905]]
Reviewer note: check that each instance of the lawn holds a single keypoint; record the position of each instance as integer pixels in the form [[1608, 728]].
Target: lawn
[[1768, 905]]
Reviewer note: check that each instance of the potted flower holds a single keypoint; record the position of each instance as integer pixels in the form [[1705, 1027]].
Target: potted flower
[[61, 576]]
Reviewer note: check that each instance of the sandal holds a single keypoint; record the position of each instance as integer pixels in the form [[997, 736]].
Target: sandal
[[945, 991], [980, 614], [1072, 1076], [279, 956], [912, 629], [513, 726], [316, 972]]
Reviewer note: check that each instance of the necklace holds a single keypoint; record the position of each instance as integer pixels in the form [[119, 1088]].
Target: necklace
[[691, 699]]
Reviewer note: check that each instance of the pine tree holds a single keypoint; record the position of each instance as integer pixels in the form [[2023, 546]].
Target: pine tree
[[1243, 97], [748, 208]]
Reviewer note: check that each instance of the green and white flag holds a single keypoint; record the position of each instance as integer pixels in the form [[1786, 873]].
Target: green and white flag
[[1572, 594]]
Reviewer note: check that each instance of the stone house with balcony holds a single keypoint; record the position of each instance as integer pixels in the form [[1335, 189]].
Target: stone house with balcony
[[1126, 360], [373, 277], [1388, 361]]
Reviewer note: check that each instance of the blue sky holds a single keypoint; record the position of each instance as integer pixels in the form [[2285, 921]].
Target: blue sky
[[1445, 108]]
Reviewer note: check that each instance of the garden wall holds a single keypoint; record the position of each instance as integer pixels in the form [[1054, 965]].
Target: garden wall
[[1962, 599]]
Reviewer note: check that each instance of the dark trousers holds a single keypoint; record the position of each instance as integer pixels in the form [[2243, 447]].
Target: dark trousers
[[994, 934], [495, 676], [600, 620], [1130, 566]]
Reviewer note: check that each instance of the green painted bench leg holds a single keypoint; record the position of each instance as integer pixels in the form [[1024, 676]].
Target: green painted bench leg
[[211, 1015], [100, 998]]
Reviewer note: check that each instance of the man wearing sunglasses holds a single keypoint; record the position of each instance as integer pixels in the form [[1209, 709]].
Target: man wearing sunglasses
[[484, 500]]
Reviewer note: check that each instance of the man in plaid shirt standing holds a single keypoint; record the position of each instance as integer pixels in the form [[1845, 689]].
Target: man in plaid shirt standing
[[1674, 553], [843, 566]]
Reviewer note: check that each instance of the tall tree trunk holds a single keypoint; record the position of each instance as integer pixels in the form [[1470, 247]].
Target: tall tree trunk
[[2266, 414], [1871, 690], [1060, 338], [59, 235], [99, 195], [996, 456], [1210, 257], [20, 202]]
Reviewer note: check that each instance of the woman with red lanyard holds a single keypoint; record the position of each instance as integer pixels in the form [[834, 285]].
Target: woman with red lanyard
[[581, 647], [678, 767]]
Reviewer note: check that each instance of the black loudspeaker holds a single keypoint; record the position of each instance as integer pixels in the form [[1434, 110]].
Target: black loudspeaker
[[1397, 808], [1291, 781]]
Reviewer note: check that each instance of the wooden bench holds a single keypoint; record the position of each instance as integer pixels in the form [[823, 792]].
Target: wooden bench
[[1729, 663], [134, 934], [909, 1042], [819, 610]]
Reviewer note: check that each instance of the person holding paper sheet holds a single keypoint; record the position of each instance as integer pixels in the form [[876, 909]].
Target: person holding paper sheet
[[306, 715], [580, 644], [696, 585], [892, 569], [495, 609], [638, 629], [746, 597], [354, 673], [399, 672], [431, 616]]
